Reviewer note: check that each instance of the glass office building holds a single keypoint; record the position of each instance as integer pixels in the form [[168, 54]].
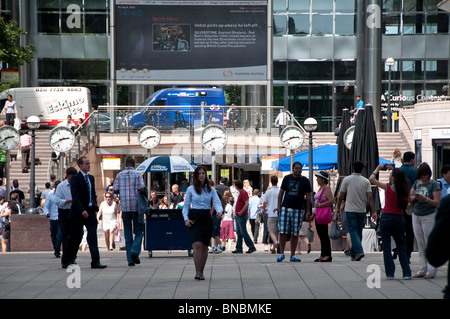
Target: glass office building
[[314, 50]]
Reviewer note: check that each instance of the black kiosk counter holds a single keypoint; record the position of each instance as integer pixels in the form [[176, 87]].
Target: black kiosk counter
[[165, 230]]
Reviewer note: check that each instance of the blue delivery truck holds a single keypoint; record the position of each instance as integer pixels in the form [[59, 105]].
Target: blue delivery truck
[[181, 107]]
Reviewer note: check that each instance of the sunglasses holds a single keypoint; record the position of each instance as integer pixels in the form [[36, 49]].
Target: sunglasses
[[107, 196]]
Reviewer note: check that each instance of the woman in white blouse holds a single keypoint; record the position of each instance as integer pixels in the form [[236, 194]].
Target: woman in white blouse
[[197, 217]]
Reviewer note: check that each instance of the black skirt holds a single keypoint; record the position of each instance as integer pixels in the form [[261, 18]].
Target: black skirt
[[201, 230]]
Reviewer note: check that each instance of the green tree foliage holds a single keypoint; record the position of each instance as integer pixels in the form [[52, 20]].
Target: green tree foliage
[[10, 50]]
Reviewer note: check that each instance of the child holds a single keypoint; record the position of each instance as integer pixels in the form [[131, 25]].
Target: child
[[227, 228]]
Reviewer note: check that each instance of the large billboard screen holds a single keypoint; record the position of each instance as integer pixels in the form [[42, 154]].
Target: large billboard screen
[[190, 40]]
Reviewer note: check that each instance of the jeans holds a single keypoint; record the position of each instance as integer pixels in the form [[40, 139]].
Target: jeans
[[56, 235], [241, 232], [132, 226], [394, 225], [355, 223]]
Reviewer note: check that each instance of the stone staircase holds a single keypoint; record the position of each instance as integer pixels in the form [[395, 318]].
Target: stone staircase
[[387, 143], [43, 152]]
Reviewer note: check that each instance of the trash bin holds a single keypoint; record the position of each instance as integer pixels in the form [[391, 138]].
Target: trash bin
[[165, 230]]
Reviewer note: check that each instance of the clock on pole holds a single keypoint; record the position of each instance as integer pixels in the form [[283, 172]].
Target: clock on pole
[[61, 139], [214, 137]]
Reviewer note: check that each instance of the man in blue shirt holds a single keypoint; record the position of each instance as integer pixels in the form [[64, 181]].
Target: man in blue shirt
[[409, 161], [359, 106], [51, 211], [445, 180]]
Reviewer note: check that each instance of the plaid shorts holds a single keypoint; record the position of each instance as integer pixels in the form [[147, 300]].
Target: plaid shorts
[[290, 221]]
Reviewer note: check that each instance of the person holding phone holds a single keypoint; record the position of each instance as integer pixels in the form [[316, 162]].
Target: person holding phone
[[426, 193]]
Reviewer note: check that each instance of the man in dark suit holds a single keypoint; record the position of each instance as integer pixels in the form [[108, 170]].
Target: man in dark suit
[[83, 213]]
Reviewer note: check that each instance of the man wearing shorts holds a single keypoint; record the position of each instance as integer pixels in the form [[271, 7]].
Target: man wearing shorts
[[270, 202], [295, 192]]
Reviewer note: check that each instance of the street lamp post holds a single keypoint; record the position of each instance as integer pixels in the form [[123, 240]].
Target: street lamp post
[[310, 125], [33, 123], [389, 62]]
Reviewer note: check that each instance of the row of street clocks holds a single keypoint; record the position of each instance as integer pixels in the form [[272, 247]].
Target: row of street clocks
[[62, 139], [213, 138]]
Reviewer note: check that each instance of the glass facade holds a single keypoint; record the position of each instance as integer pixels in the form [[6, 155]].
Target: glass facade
[[73, 45], [314, 51], [316, 75]]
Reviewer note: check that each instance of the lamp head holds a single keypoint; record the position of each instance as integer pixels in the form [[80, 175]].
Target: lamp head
[[33, 122], [390, 61], [310, 124]]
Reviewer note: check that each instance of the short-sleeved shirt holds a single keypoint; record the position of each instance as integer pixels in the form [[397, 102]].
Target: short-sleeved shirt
[[128, 182], [422, 208], [240, 203], [295, 190], [271, 198], [356, 188], [410, 172]]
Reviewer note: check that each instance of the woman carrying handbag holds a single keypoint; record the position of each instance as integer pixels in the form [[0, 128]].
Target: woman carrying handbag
[[323, 200]]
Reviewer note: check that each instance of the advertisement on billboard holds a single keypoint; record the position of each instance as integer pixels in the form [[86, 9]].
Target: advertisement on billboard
[[190, 40]]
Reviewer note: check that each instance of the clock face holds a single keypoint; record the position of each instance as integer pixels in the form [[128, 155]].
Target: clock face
[[214, 138], [292, 137], [9, 137], [149, 137], [348, 137], [61, 139]]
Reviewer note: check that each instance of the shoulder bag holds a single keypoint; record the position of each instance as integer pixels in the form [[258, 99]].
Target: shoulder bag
[[324, 215]]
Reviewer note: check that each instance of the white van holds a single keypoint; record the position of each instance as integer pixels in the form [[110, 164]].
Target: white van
[[51, 104]]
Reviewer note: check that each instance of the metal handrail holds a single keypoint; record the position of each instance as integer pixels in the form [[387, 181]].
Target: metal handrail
[[406, 121]]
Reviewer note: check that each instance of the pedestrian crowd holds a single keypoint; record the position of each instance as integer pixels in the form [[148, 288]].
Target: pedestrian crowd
[[217, 215]]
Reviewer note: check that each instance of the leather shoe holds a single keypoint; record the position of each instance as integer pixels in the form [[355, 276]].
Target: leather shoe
[[98, 266], [135, 258]]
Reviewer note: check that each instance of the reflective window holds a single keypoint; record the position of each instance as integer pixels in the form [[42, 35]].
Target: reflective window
[[344, 24], [279, 5], [432, 5], [322, 24], [436, 69], [84, 69], [322, 6], [72, 16], [392, 5], [279, 25], [79, 69], [298, 6], [437, 23], [299, 24], [344, 70], [412, 70], [49, 68], [345, 6], [413, 24], [48, 22], [391, 24], [320, 70], [412, 6], [279, 70]]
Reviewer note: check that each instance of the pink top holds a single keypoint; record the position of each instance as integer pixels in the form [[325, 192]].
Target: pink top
[[320, 197]]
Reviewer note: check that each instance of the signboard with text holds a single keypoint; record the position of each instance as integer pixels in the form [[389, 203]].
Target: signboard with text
[[191, 40]]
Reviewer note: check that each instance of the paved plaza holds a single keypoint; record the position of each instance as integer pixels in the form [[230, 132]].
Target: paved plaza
[[170, 275]]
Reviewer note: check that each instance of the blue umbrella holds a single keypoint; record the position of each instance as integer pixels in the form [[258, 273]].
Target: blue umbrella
[[324, 157]]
